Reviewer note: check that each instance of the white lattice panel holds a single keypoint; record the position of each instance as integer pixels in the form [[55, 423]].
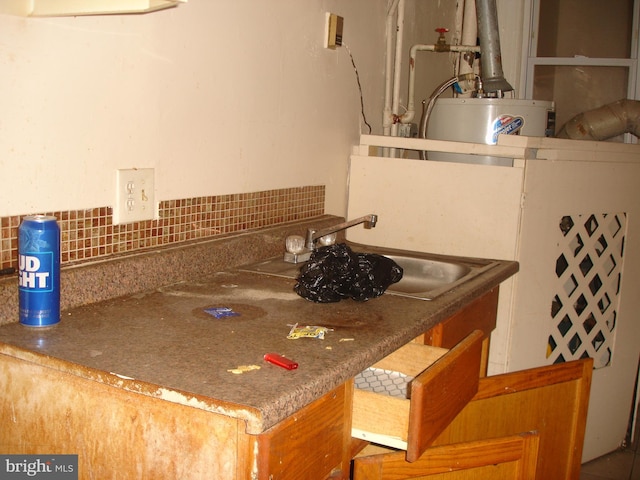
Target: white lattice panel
[[589, 273]]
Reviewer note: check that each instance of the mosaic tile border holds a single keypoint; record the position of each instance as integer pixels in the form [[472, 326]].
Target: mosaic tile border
[[90, 234]]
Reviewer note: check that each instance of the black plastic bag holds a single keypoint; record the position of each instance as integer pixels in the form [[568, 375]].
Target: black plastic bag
[[335, 272]]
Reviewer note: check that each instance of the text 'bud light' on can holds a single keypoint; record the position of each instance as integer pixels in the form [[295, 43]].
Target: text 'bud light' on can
[[39, 271]]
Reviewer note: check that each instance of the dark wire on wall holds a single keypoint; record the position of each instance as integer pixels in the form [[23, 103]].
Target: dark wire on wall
[[353, 62]]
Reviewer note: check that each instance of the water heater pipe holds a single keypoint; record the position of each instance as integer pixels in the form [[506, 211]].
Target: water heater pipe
[[409, 115], [426, 114], [392, 75], [468, 25], [491, 59], [387, 118], [398, 64], [604, 122]]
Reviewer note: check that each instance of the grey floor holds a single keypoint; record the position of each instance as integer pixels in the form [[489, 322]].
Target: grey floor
[[621, 465]]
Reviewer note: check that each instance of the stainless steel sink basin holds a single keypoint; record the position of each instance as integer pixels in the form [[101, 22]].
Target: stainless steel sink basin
[[425, 276], [422, 274]]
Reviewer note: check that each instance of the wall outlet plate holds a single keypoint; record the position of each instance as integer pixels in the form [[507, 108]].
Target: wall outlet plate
[[135, 198]]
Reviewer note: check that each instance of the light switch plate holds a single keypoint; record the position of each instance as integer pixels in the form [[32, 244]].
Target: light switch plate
[[135, 198], [333, 31]]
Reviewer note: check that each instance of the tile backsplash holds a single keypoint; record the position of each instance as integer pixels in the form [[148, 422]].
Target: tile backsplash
[[90, 234]]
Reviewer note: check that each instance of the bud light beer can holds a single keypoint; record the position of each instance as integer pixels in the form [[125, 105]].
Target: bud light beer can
[[39, 271]]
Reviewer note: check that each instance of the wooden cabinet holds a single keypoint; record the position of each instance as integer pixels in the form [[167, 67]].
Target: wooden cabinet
[[312, 443], [446, 364], [551, 401], [457, 423], [117, 434], [454, 415]]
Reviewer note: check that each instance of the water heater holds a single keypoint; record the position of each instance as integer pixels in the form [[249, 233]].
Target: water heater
[[481, 120]]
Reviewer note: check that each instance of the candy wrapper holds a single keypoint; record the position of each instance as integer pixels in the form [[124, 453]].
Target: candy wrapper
[[221, 312], [309, 331]]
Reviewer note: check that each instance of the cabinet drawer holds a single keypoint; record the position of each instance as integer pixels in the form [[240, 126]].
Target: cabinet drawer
[[444, 382]]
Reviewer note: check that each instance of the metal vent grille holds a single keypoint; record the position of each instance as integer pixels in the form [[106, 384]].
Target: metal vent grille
[[589, 273]]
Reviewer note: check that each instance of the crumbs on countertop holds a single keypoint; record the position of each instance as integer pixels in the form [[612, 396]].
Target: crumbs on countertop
[[242, 369]]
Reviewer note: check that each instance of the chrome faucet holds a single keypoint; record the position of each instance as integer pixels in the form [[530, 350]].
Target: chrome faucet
[[313, 235]]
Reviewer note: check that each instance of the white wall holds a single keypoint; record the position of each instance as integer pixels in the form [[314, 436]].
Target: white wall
[[219, 97], [224, 96]]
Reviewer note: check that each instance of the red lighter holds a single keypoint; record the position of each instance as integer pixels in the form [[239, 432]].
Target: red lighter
[[281, 361]]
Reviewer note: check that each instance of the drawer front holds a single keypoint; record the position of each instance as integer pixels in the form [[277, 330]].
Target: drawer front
[[440, 392], [444, 382]]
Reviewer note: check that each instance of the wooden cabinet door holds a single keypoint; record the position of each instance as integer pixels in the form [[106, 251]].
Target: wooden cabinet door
[[505, 458], [551, 400]]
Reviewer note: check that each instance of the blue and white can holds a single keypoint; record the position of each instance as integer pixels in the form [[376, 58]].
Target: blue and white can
[[39, 271]]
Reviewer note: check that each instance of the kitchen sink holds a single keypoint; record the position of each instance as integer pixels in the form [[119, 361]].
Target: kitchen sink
[[425, 276]]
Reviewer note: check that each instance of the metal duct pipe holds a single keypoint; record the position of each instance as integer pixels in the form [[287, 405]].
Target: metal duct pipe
[[491, 59], [604, 122]]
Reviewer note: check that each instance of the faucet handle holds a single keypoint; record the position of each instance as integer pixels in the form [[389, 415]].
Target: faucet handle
[[328, 239], [294, 244]]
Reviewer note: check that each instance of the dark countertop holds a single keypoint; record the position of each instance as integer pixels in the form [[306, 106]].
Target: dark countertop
[[161, 343], [167, 346]]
